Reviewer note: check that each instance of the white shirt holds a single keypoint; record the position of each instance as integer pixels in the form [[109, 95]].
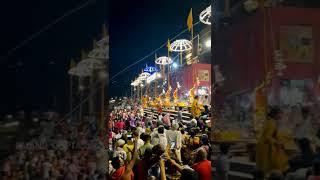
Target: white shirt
[[174, 136], [160, 139]]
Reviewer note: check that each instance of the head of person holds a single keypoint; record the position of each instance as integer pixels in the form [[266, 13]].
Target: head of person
[[275, 175], [157, 150], [201, 155], [196, 97], [189, 174], [161, 130], [275, 113], [180, 108], [175, 126], [147, 154], [146, 138], [204, 139], [117, 162]]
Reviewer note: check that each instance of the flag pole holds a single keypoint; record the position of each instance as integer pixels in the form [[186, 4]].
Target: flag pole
[[168, 68]]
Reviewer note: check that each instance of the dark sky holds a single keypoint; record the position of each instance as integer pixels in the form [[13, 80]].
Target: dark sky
[[35, 73], [36, 81], [139, 27]]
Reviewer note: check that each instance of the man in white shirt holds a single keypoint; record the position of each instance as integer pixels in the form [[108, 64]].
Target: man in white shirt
[[159, 138], [174, 139]]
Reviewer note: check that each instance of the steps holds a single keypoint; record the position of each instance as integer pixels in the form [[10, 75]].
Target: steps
[[240, 169]]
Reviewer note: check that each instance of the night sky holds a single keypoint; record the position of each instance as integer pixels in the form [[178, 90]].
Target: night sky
[[37, 72], [34, 74], [139, 27]]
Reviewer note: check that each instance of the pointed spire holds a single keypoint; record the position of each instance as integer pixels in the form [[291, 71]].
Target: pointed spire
[[104, 31]]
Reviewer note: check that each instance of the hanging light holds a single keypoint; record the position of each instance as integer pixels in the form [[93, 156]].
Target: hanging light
[[205, 16], [181, 45]]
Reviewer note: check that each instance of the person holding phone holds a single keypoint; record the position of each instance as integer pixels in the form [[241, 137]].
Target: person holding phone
[[124, 172]]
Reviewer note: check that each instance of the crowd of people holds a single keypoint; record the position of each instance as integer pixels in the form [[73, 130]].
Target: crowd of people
[[60, 150], [157, 146]]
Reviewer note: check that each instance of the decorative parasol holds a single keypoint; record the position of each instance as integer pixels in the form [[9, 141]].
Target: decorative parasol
[[205, 16], [181, 45], [143, 76], [163, 60]]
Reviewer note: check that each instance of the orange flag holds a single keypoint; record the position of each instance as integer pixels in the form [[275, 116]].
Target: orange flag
[[169, 46], [190, 20]]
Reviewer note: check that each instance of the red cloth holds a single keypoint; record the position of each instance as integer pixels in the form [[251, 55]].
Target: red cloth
[[117, 175], [121, 125], [203, 168]]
